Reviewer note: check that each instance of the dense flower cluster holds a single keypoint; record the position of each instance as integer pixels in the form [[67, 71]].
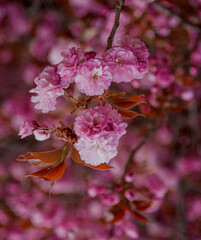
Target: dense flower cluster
[[92, 75], [99, 128]]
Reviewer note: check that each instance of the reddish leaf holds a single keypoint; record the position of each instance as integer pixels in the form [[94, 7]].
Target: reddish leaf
[[124, 104], [25, 157], [102, 166], [142, 205], [24, 223], [119, 216], [116, 96], [128, 114], [50, 173], [46, 158], [75, 156], [139, 216], [129, 102]]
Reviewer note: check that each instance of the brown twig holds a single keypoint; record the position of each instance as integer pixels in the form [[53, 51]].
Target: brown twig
[[116, 23], [134, 151], [181, 218]]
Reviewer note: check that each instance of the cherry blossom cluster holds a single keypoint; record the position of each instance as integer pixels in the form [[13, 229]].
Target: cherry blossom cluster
[[99, 127], [92, 76]]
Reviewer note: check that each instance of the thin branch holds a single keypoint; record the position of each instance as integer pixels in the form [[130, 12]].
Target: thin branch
[[134, 151], [180, 209], [187, 56], [116, 23]]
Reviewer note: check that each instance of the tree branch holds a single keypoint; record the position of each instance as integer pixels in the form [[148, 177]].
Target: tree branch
[[180, 209], [116, 23], [134, 151]]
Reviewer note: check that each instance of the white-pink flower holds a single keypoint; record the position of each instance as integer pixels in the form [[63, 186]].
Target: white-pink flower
[[29, 127], [26, 128], [99, 129], [41, 135], [93, 77], [49, 88], [139, 50], [123, 64], [98, 149]]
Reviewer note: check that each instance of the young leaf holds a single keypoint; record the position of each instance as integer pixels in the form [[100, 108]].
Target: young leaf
[[115, 96], [50, 173], [128, 114], [118, 216], [128, 102], [142, 205], [46, 158], [139, 216], [75, 156]]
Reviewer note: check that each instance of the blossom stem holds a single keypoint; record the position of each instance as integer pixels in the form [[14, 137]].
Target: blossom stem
[[67, 94], [116, 23], [75, 101]]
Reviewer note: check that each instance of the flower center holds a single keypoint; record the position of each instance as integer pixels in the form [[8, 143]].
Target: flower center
[[95, 76], [120, 61]]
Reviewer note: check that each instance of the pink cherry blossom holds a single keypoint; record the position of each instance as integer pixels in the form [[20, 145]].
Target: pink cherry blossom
[[99, 120], [49, 88], [93, 77], [139, 50], [68, 66], [26, 128], [41, 135], [29, 127], [123, 64], [99, 129]]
